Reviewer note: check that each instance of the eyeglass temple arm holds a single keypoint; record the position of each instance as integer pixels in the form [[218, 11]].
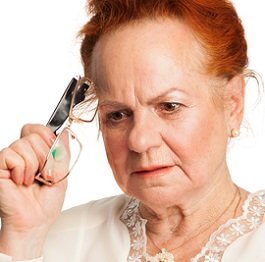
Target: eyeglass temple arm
[[61, 112]]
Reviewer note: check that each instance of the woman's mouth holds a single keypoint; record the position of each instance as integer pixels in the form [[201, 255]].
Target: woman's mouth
[[153, 171]]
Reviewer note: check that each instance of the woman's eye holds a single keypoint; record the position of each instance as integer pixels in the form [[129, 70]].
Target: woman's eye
[[169, 107], [116, 116]]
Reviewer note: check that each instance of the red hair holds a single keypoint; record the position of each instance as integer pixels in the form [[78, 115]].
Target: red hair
[[215, 24]]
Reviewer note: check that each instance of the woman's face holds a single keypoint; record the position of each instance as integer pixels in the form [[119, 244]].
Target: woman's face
[[165, 139]]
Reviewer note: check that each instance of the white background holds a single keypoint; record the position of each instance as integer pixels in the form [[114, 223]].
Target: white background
[[39, 54]]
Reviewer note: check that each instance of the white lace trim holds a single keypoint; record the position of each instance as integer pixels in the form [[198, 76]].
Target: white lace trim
[[136, 227], [253, 214]]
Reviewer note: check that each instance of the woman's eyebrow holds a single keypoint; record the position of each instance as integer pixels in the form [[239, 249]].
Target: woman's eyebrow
[[150, 101], [117, 105], [166, 93]]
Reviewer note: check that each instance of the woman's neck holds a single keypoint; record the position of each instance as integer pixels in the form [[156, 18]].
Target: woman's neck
[[176, 227]]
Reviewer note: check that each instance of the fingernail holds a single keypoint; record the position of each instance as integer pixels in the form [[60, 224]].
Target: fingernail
[[52, 140], [49, 179]]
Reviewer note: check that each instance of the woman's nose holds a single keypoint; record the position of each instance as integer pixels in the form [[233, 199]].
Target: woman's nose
[[144, 133]]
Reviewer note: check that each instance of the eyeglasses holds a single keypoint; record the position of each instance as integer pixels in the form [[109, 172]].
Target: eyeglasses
[[78, 104]]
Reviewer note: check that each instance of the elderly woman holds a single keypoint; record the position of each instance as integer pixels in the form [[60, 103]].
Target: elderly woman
[[169, 78]]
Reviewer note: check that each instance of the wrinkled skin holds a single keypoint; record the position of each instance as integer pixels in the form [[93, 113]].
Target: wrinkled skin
[[27, 209]]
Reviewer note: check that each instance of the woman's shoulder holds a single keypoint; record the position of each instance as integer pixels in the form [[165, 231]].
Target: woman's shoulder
[[239, 235], [249, 247], [88, 228], [112, 202], [95, 211]]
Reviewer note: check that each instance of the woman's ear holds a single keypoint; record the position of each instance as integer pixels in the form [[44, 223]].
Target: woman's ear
[[236, 99]]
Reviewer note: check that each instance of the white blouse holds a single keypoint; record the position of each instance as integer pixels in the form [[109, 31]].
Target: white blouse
[[112, 230]]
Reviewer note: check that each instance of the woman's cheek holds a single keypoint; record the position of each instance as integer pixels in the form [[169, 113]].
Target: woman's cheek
[[115, 147]]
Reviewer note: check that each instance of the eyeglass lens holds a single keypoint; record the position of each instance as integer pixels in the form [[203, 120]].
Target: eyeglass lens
[[61, 159]]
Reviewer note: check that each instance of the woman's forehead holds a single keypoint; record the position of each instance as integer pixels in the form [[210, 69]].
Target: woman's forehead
[[142, 44], [143, 60]]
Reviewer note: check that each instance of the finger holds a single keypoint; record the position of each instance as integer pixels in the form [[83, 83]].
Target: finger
[[4, 174], [39, 146], [12, 165], [33, 151], [47, 135]]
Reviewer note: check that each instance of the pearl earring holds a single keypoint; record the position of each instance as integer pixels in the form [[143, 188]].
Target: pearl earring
[[235, 132]]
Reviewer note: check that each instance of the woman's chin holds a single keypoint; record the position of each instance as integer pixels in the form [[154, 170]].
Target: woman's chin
[[156, 197]]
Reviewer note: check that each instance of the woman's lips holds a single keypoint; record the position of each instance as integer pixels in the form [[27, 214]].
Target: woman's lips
[[153, 171]]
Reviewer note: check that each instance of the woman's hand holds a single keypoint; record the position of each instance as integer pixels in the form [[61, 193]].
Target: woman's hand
[[27, 209]]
